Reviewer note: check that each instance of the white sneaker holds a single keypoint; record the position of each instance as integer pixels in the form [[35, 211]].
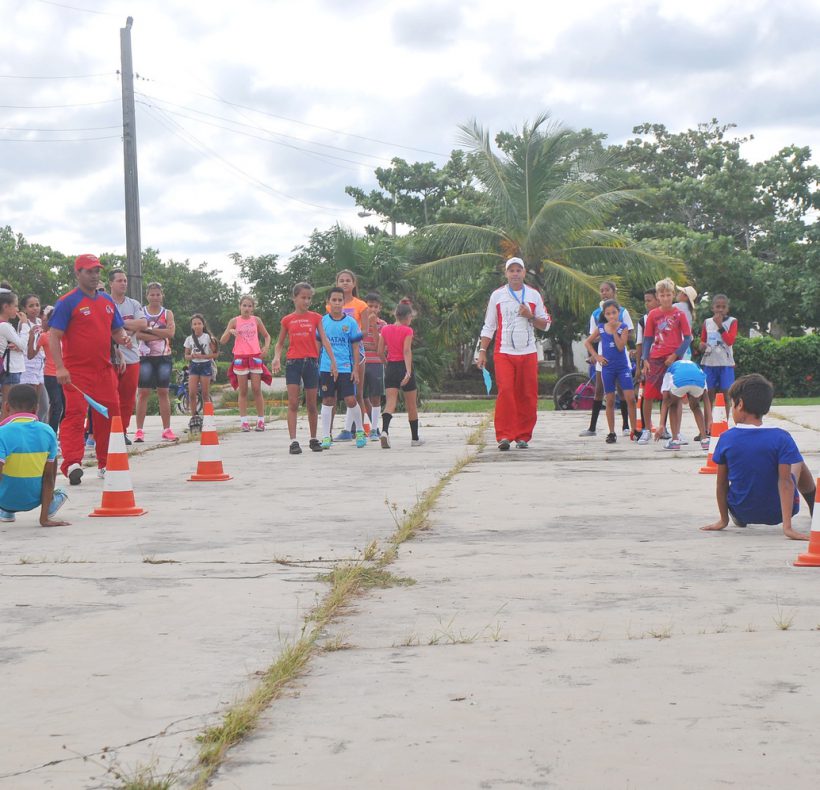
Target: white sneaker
[[587, 432], [671, 444], [645, 437], [417, 442], [74, 474], [681, 440], [101, 473], [626, 432]]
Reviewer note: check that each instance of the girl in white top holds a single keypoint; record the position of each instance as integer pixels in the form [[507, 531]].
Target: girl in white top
[[201, 349], [34, 364], [11, 345]]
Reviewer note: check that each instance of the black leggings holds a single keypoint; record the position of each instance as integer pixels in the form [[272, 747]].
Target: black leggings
[[56, 408]]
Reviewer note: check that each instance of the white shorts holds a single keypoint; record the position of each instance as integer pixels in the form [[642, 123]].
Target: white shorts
[[668, 385]]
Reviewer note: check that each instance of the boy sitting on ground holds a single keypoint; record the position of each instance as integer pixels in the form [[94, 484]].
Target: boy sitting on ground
[[28, 452], [760, 470]]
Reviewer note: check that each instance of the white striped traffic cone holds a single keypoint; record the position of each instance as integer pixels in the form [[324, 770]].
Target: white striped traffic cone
[[719, 426], [118, 493], [812, 557], [209, 467]]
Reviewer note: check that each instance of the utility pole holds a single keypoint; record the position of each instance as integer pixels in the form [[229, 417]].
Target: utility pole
[[133, 246]]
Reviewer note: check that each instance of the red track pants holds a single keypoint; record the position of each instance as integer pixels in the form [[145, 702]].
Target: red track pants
[[102, 386], [516, 376], [127, 390]]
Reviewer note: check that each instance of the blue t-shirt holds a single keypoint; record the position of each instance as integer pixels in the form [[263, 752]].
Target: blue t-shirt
[[341, 334], [608, 349], [25, 447], [686, 373], [753, 456]]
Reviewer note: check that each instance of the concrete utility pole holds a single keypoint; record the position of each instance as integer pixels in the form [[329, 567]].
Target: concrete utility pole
[[133, 245]]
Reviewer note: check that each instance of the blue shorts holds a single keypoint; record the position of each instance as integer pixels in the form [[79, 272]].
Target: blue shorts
[[616, 374], [719, 377], [342, 386], [304, 370], [746, 516], [204, 368], [7, 378], [155, 372]]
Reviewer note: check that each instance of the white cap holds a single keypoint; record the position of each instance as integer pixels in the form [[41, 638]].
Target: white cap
[[511, 261]]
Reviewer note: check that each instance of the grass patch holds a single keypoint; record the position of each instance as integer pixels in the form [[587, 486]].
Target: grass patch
[[345, 581], [474, 405], [143, 778], [796, 402]]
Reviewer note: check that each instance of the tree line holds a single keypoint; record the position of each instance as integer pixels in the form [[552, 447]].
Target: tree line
[[575, 208]]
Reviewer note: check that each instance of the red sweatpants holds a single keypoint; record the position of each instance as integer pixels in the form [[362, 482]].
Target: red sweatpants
[[516, 376], [127, 390], [102, 386]]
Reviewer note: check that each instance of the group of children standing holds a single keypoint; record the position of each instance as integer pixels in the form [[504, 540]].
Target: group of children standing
[[348, 355]]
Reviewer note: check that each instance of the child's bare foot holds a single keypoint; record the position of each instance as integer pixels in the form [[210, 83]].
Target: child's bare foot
[[716, 526], [52, 523], [793, 535]]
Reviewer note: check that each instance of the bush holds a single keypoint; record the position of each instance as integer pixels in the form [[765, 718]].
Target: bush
[[791, 364]]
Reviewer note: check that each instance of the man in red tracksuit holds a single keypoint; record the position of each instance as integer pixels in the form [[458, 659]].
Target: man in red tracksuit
[[82, 326], [514, 312]]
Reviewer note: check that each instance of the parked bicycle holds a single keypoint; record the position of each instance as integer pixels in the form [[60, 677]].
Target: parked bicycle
[[183, 396]]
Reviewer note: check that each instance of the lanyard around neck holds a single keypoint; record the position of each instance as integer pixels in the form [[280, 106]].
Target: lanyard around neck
[[523, 294]]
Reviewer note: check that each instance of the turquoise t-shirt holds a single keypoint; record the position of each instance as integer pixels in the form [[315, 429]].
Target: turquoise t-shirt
[[25, 447], [341, 334]]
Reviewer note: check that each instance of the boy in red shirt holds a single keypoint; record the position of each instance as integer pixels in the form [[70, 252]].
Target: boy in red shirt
[[303, 327], [667, 336], [82, 326]]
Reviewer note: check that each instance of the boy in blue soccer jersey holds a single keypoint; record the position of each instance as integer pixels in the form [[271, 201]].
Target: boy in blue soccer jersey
[[344, 335], [761, 473], [28, 452]]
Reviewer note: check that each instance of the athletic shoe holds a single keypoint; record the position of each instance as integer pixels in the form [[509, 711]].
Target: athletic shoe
[[90, 443], [681, 440], [522, 445], [417, 442], [588, 432], [101, 473], [626, 431], [75, 474], [315, 445], [139, 435], [375, 435], [127, 440], [645, 437], [385, 441], [704, 444], [7, 516], [260, 425], [361, 439], [343, 436], [611, 438], [245, 426], [57, 501], [325, 443], [504, 444], [698, 438], [295, 449], [169, 436], [671, 444], [666, 434]]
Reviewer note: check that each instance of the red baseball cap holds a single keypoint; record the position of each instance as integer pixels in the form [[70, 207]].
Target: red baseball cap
[[86, 261]]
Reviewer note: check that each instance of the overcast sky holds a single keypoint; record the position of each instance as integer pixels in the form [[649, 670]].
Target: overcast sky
[[329, 90]]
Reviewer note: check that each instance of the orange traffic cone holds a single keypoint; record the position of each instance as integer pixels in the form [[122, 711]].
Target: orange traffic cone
[[118, 493], [812, 557], [209, 467], [719, 426]]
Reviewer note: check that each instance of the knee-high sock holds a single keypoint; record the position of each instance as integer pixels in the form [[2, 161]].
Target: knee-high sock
[[386, 417], [597, 405], [375, 413], [354, 415], [624, 415], [327, 419]]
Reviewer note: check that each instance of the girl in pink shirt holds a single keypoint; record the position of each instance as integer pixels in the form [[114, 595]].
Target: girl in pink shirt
[[247, 359], [396, 348]]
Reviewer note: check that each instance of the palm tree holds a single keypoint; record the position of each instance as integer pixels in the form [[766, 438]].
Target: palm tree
[[552, 195]]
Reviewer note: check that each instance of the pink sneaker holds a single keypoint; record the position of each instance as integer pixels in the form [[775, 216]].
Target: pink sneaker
[[169, 435], [260, 425], [139, 435]]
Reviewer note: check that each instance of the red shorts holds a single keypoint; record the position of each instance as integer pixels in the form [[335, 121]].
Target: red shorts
[[654, 379]]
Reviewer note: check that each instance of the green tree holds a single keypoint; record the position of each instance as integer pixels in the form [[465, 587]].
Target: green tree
[[552, 194], [34, 268]]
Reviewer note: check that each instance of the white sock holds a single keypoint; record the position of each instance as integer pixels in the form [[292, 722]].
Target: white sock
[[243, 418], [349, 419], [375, 413], [327, 418], [355, 417]]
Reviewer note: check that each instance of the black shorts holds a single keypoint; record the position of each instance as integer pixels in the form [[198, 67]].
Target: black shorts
[[373, 380], [343, 385], [304, 370], [394, 374], [155, 372]]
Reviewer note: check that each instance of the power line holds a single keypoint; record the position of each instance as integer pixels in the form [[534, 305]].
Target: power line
[[55, 77], [55, 106], [76, 8], [193, 141], [77, 129], [62, 140], [302, 123]]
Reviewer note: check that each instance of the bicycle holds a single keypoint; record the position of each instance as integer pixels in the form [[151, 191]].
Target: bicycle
[[574, 391], [182, 395]]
